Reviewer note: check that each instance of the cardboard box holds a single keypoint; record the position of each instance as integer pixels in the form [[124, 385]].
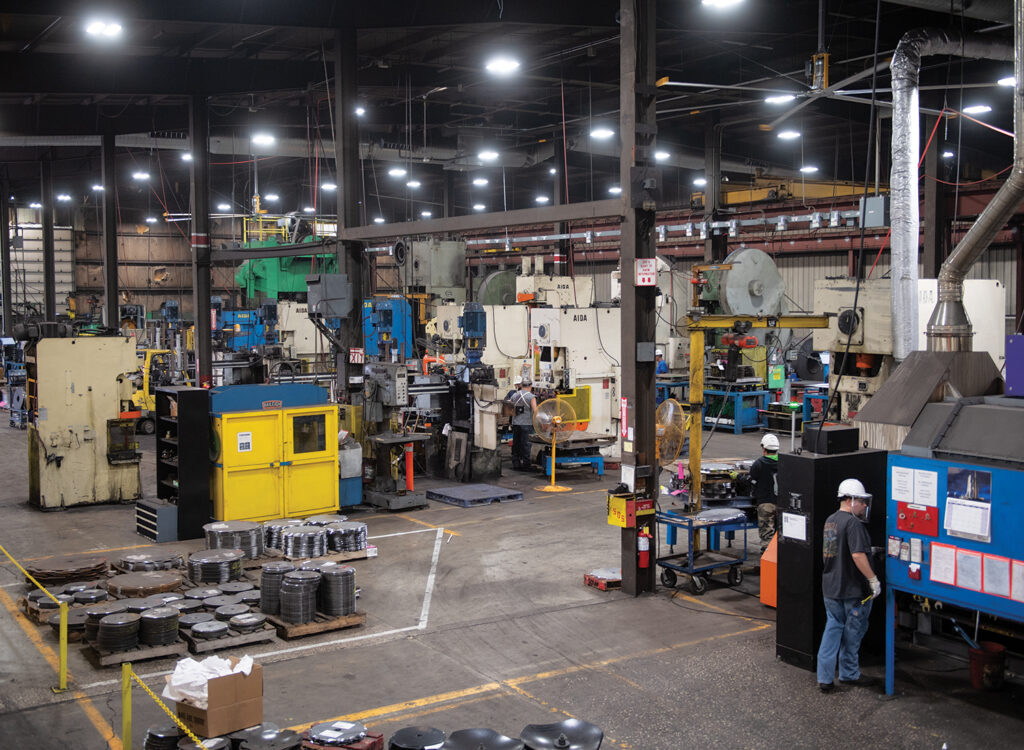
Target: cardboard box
[[235, 702]]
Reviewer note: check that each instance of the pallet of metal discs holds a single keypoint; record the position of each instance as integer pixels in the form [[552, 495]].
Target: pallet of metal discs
[[328, 536], [315, 597], [347, 735], [224, 616]]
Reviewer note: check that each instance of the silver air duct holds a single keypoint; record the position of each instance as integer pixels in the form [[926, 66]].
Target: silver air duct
[[949, 328], [905, 221]]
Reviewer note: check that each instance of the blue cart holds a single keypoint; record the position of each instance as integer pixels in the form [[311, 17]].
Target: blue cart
[[700, 566]]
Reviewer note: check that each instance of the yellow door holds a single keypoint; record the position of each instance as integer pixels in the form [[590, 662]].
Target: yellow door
[[310, 465], [250, 486], [251, 493], [310, 487]]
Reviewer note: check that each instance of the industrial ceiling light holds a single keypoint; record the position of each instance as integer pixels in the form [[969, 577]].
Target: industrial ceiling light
[[542, 199], [947, 154], [661, 155], [502, 65], [1008, 81], [977, 109], [329, 187], [426, 214], [103, 28], [97, 188], [700, 181], [809, 169], [223, 207], [552, 171], [35, 205], [615, 190], [271, 197], [63, 197], [487, 155], [789, 135], [360, 111], [720, 4], [413, 184], [479, 207], [263, 139], [378, 219], [396, 172], [309, 209], [602, 133], [151, 220], [186, 156], [480, 181], [779, 99], [140, 176]]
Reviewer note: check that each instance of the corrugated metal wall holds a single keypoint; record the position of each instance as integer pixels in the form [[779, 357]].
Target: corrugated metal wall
[[27, 267]]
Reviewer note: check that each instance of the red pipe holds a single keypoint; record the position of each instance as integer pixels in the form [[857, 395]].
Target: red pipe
[[408, 467]]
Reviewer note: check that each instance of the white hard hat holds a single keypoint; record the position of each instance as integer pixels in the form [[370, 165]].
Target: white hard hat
[[518, 380], [770, 442], [658, 353], [527, 382], [853, 488]]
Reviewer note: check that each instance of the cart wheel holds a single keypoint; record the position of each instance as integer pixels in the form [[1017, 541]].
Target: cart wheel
[[698, 584], [735, 575], [147, 426], [668, 578]]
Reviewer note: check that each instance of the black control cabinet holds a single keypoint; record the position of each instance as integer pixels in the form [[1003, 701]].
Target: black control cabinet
[[183, 456]]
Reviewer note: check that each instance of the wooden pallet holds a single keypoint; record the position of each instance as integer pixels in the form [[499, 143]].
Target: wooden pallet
[[277, 556], [321, 624], [142, 653], [372, 741], [40, 616], [604, 584], [231, 640]]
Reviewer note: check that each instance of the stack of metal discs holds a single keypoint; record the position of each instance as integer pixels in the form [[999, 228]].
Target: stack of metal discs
[[215, 566], [417, 738], [298, 596], [97, 612], [162, 600], [194, 618], [38, 595], [90, 596], [230, 610], [270, 585], [150, 561], [162, 737], [65, 569], [271, 739], [272, 530], [145, 583], [337, 733], [76, 622], [185, 606], [325, 518], [251, 597], [202, 593], [236, 587], [158, 626], [210, 629], [337, 594], [136, 605], [118, 632], [244, 535], [74, 588], [304, 541], [215, 602], [48, 603], [346, 537], [318, 565], [213, 743], [248, 622]]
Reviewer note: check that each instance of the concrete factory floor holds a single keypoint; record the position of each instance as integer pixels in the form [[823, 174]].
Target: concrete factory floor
[[479, 617]]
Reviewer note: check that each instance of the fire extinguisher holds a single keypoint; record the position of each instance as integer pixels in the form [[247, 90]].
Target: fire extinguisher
[[643, 546]]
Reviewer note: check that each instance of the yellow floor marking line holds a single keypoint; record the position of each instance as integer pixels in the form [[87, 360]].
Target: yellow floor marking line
[[406, 717], [84, 552], [556, 709], [94, 716], [723, 610], [428, 525], [515, 684]]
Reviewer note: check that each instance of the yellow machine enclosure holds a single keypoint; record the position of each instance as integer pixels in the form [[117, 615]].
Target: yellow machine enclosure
[[276, 463]]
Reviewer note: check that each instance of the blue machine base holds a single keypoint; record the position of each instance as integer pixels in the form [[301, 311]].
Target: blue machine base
[[350, 491], [596, 462]]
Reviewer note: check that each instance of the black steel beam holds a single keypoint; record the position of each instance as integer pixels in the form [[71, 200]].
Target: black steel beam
[[935, 221], [5, 254], [110, 290], [49, 201], [199, 125], [716, 242], [637, 118]]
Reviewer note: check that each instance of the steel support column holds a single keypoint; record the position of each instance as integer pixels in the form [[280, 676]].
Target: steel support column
[[936, 222], [560, 198], [346, 155], [715, 243], [5, 254], [49, 201], [110, 289], [199, 127], [637, 126]]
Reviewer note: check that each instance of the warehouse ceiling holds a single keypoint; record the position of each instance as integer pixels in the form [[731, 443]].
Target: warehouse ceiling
[[430, 106]]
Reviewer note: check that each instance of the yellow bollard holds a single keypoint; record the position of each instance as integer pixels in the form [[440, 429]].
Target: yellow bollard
[[126, 706], [62, 669]]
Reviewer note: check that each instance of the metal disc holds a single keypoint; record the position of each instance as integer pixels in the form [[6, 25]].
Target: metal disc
[[230, 610], [143, 584], [335, 733], [215, 602], [416, 738], [211, 629], [184, 606], [247, 622], [202, 593], [481, 739], [753, 286], [571, 734], [236, 587], [195, 618]]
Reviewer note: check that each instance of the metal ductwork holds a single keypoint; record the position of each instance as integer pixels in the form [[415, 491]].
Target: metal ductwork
[[949, 328], [905, 220]]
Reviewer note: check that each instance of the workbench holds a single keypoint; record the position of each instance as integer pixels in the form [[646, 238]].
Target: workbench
[[701, 564], [747, 409]]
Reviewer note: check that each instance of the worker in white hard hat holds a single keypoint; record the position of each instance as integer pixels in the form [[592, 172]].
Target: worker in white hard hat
[[661, 367], [848, 585], [765, 491]]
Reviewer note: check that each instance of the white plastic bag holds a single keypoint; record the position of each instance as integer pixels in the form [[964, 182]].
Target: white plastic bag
[[189, 680]]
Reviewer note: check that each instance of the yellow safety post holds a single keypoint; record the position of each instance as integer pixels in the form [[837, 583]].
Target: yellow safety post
[[62, 666], [126, 698], [126, 706]]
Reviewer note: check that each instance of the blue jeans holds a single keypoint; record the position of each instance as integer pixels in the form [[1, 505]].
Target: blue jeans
[[847, 623]]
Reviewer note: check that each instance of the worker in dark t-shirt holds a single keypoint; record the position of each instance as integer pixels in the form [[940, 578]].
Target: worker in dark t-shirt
[[848, 585], [764, 477]]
